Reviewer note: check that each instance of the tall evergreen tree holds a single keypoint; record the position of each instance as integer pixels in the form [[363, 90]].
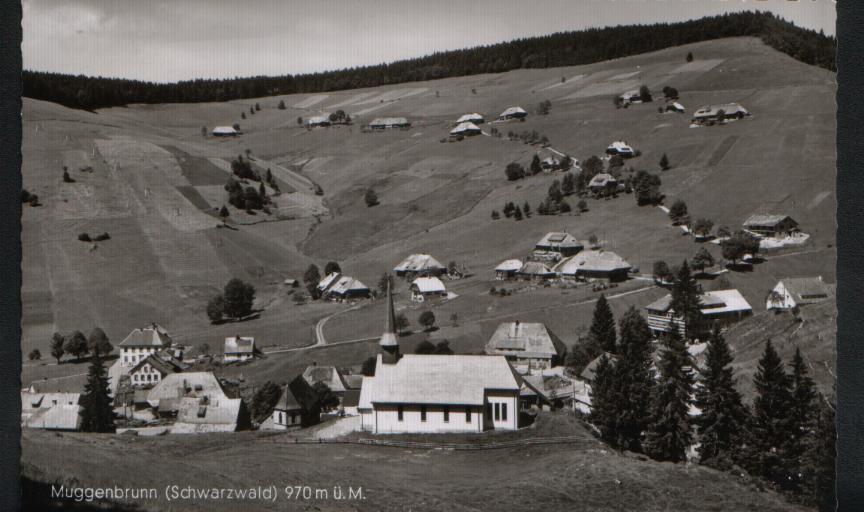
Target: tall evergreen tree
[[634, 380], [669, 433], [604, 400], [723, 417], [97, 415], [802, 421], [685, 300], [602, 332], [770, 420], [57, 346], [818, 464]]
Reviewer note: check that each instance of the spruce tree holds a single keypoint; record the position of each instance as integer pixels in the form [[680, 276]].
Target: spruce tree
[[770, 421], [604, 400], [669, 433], [818, 463], [535, 165], [802, 420], [97, 414], [57, 346], [723, 417], [685, 300], [602, 332], [634, 379]]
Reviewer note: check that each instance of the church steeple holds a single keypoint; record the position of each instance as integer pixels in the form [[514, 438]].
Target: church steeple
[[389, 343]]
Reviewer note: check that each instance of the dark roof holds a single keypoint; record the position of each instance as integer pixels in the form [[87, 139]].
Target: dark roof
[[162, 364], [351, 398], [590, 370], [298, 394]]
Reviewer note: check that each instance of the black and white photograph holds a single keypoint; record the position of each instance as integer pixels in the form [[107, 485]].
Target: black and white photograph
[[406, 255]]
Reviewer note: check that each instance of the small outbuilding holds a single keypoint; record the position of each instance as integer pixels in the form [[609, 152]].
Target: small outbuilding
[[315, 121], [298, 407], [603, 183], [386, 123], [715, 113], [535, 271]]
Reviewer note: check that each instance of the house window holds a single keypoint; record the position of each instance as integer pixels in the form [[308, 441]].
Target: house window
[[400, 413], [497, 412], [503, 412], [467, 415], [446, 414], [422, 413], [281, 418], [293, 418]]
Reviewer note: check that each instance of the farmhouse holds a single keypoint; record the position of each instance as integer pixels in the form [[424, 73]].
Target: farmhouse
[[465, 129], [793, 292], [513, 113], [776, 226], [298, 407], [314, 121], [717, 308], [713, 113], [471, 118], [535, 271], [550, 163], [557, 242], [224, 131], [419, 265], [199, 403], [507, 269], [592, 264], [423, 393], [153, 368], [331, 376], [529, 345], [426, 288], [603, 183], [338, 287], [238, 349], [141, 343], [50, 411], [620, 148], [384, 123]]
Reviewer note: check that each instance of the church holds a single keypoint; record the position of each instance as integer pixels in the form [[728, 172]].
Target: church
[[425, 393]]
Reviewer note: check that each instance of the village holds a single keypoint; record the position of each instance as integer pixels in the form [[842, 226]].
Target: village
[[440, 265]]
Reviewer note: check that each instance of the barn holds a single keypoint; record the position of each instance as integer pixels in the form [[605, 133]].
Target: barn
[[772, 226]]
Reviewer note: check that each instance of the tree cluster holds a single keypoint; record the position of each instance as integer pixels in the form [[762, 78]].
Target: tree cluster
[[77, 345], [440, 348], [235, 302], [646, 188], [246, 198]]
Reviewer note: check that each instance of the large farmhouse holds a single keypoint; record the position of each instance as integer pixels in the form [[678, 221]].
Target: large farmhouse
[[422, 393], [339, 287], [471, 118], [427, 288], [507, 269], [713, 113], [717, 308], [793, 292], [603, 183], [225, 131], [620, 148], [198, 403], [153, 368], [315, 121], [594, 265], [772, 226], [419, 265], [513, 113], [385, 123], [465, 129], [238, 348], [141, 343], [558, 243], [50, 411], [529, 345]]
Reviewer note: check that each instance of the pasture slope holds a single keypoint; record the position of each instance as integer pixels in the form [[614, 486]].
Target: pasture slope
[[154, 183], [581, 476]]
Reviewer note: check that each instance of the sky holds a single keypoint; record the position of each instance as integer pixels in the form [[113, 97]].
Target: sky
[[171, 40]]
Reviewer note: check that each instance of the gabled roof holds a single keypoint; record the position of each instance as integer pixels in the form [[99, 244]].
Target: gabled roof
[[711, 303], [559, 239], [592, 261], [329, 375], [522, 339], [602, 179], [509, 266], [535, 268], [297, 394], [346, 284], [428, 285], [591, 370], [189, 384], [211, 411], [438, 379], [239, 345], [417, 262], [470, 118], [807, 289], [63, 416], [550, 387], [766, 220], [512, 111], [465, 127], [152, 336], [162, 365]]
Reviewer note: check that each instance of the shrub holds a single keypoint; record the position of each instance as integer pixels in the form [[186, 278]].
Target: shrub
[[102, 237], [645, 94], [678, 211], [563, 207], [495, 215], [689, 56], [371, 198], [236, 126], [664, 162], [34, 355], [25, 196], [427, 319], [66, 177], [514, 171], [582, 205], [84, 237], [281, 105]]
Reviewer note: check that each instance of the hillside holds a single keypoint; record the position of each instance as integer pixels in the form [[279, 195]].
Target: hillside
[[586, 475], [156, 183]]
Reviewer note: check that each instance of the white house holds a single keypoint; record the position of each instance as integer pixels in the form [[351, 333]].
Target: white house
[[426, 288], [224, 131], [471, 118], [792, 292], [422, 393], [465, 129], [238, 348], [507, 269], [717, 308], [141, 343], [420, 265], [531, 345], [152, 369], [620, 148], [513, 113]]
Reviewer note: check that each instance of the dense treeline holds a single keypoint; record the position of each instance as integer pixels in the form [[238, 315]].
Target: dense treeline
[[559, 49]]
